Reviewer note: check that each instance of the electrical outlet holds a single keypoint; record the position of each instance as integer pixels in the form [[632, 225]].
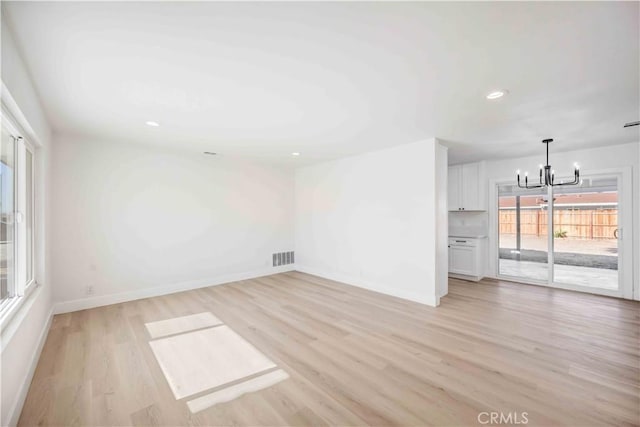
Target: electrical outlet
[[89, 290]]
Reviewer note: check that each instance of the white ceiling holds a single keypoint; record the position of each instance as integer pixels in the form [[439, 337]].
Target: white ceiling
[[335, 79]]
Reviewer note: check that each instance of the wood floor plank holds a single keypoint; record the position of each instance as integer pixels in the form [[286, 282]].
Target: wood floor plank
[[356, 357]]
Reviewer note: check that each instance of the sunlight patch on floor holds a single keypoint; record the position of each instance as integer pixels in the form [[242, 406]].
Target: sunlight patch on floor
[[197, 361], [178, 325], [199, 353], [233, 392]]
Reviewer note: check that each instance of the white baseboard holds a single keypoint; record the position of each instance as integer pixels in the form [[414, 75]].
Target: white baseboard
[[465, 277], [102, 300], [14, 414], [432, 301]]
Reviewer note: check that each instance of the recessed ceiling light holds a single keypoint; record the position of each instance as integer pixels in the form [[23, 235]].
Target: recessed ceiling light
[[295, 154], [497, 94], [152, 123]]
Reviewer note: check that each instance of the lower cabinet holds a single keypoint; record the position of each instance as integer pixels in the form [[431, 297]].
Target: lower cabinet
[[466, 259]]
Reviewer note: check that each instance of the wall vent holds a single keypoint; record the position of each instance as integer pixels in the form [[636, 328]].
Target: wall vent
[[283, 258]]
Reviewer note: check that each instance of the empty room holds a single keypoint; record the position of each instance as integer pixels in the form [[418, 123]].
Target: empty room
[[320, 213]]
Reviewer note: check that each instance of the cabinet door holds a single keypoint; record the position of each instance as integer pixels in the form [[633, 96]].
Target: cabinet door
[[453, 188], [462, 260], [470, 184]]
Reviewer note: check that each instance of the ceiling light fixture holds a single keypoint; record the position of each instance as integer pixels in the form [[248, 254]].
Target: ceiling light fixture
[[210, 153], [630, 124], [152, 123], [549, 174], [295, 154], [497, 94]]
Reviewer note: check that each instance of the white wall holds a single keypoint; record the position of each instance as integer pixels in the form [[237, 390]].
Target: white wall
[[474, 222], [590, 160], [369, 220], [442, 221], [24, 334], [133, 221]]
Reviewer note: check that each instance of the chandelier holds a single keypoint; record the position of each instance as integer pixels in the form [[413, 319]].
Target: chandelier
[[549, 174]]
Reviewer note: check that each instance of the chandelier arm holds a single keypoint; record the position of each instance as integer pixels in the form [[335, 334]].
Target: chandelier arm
[[527, 186], [576, 179], [574, 182], [526, 183]]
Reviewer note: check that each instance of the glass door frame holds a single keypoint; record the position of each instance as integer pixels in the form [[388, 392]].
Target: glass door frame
[[625, 237]]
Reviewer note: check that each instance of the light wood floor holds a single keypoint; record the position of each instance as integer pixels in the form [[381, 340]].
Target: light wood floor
[[356, 357]]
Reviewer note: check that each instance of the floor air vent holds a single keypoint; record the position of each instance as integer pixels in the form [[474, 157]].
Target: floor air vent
[[283, 258]]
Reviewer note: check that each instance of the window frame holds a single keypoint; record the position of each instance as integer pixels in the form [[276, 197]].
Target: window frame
[[28, 147], [21, 289]]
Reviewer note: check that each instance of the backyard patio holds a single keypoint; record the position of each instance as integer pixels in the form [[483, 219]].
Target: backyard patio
[[584, 262]]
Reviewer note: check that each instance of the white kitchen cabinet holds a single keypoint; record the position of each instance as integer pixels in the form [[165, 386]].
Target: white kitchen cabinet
[[466, 187], [453, 188], [466, 258]]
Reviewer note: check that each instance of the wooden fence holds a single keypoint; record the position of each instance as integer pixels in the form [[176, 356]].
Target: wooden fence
[[578, 224]]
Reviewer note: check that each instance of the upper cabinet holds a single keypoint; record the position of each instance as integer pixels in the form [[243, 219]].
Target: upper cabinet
[[466, 187]]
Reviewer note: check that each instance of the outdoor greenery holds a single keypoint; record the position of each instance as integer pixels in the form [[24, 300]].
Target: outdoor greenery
[[560, 234]]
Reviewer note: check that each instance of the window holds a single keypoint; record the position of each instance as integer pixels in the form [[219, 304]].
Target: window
[[7, 207], [17, 217]]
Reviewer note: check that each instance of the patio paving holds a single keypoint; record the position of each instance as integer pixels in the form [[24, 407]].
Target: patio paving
[[608, 262], [566, 274], [569, 245]]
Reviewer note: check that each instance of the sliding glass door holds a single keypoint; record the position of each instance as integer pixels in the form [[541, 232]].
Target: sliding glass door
[[522, 231], [585, 234], [564, 237]]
